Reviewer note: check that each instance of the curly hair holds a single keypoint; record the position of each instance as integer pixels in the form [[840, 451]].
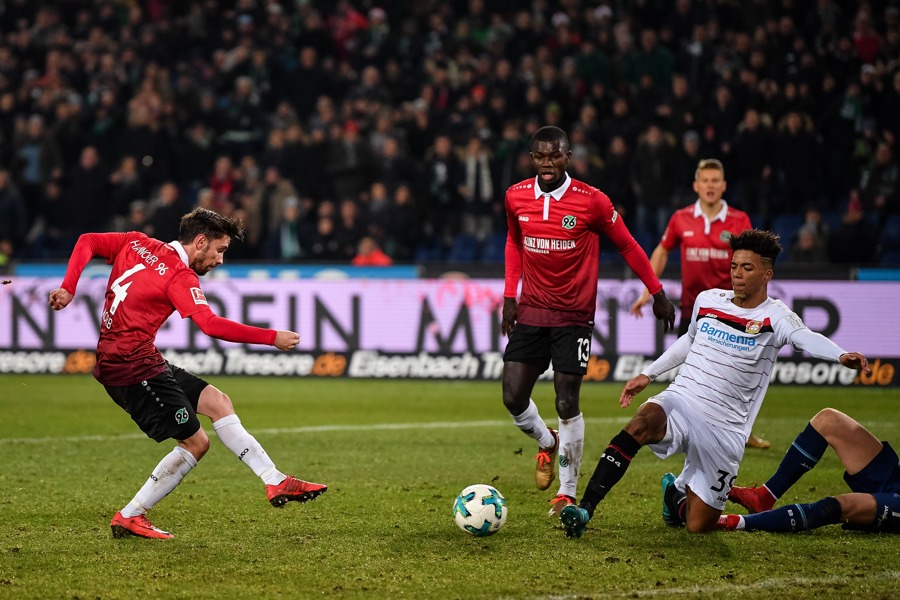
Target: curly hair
[[764, 243]]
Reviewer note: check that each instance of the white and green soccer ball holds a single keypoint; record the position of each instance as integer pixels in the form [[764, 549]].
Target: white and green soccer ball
[[480, 510]]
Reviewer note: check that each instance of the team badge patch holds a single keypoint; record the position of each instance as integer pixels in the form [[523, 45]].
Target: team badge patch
[[181, 417], [753, 326], [198, 296], [615, 216], [568, 222], [725, 236]]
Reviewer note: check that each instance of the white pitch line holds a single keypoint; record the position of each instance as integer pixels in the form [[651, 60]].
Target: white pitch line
[[788, 583], [361, 427], [294, 430]]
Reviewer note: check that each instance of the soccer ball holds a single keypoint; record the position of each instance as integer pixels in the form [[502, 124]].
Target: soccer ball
[[480, 510]]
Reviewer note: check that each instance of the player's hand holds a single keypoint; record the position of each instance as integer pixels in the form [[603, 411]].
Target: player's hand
[[632, 389], [510, 315], [637, 308], [857, 361], [59, 299], [664, 311], [286, 340]]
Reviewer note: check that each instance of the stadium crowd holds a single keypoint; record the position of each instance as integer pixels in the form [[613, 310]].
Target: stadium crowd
[[400, 124]]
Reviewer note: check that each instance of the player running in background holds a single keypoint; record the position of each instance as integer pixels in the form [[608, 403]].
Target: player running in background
[[872, 472], [726, 360], [150, 280], [553, 247], [702, 230]]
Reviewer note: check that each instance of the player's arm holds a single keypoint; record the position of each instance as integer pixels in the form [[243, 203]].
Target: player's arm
[[636, 259], [513, 270], [88, 246], [232, 331], [819, 346], [671, 358], [658, 261]]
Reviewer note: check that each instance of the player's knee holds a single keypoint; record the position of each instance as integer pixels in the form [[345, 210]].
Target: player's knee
[[197, 444], [567, 407], [829, 421], [215, 404]]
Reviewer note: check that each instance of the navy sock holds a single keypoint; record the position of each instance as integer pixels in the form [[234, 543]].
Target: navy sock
[[796, 517], [802, 456], [612, 466]]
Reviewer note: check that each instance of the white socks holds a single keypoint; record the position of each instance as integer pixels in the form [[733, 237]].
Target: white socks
[[247, 449], [531, 424], [167, 474], [571, 447]]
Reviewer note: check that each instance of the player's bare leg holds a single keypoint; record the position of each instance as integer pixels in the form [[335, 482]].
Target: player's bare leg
[[518, 380]]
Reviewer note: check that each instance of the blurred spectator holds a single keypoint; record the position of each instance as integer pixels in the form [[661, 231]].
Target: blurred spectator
[[855, 241], [13, 221], [752, 156], [166, 211], [797, 153], [477, 191], [443, 176], [127, 185], [652, 180], [880, 184], [370, 255], [287, 240], [89, 187], [809, 249]]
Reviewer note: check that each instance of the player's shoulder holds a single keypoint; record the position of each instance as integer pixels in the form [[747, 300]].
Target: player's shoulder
[[736, 214], [779, 308], [526, 186], [715, 296], [576, 186]]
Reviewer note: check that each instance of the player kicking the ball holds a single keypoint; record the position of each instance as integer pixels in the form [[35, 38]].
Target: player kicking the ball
[[150, 280], [726, 359]]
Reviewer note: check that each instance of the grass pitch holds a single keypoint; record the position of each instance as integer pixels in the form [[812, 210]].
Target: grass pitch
[[394, 455]]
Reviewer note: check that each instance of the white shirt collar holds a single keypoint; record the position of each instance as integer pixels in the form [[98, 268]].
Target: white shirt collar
[[557, 193], [720, 216], [181, 252]]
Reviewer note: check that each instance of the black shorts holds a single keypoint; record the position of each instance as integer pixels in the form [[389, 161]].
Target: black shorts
[[164, 406], [569, 347]]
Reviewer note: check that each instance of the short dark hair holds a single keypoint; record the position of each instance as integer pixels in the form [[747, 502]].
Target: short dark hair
[[765, 243], [551, 134], [209, 223]]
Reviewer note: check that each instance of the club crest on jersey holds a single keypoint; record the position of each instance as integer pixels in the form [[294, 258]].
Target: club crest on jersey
[[198, 296], [568, 222], [753, 326], [725, 236]]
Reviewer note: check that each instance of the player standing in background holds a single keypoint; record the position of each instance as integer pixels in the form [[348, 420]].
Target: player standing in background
[[726, 360], [872, 471], [702, 230], [553, 247], [150, 280]]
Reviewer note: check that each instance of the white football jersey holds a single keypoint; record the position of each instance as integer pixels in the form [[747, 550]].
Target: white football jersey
[[731, 357]]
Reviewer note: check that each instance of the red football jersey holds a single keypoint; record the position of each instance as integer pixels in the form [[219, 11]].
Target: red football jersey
[[705, 253], [553, 244], [148, 282]]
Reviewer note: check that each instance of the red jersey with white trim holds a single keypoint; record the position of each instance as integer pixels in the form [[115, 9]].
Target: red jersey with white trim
[[731, 358], [553, 244], [148, 282], [705, 253]]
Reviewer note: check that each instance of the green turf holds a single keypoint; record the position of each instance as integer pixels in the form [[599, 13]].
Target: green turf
[[394, 455]]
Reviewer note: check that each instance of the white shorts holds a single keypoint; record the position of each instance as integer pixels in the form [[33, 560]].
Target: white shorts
[[712, 454]]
